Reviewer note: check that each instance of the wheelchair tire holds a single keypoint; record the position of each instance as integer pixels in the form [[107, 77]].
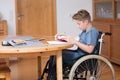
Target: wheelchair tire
[[101, 65]]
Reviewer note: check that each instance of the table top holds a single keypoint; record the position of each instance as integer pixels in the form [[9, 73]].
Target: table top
[[45, 48]]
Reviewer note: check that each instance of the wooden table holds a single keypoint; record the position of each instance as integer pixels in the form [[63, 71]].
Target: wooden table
[[9, 51]]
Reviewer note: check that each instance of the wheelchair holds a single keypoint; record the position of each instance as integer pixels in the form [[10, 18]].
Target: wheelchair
[[91, 66]]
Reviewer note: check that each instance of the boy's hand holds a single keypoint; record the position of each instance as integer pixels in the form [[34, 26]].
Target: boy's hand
[[72, 39]]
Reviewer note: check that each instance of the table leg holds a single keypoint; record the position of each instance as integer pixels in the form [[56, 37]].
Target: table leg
[[59, 65], [42, 60]]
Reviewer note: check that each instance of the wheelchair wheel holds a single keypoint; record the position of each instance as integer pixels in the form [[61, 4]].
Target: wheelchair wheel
[[94, 67]]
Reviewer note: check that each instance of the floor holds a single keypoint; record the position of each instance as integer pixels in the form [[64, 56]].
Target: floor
[[117, 71], [106, 76]]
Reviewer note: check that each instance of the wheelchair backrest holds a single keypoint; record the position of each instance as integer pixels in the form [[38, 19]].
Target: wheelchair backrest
[[100, 41], [97, 47]]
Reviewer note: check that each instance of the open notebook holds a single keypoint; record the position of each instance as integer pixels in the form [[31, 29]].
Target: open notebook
[[74, 47]]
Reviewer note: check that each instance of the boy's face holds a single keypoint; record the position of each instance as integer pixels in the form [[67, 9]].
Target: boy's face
[[82, 24]]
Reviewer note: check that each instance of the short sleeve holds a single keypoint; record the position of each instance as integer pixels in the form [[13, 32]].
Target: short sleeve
[[91, 37]]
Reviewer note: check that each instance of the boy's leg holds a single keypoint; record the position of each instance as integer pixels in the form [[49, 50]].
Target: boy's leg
[[67, 56]]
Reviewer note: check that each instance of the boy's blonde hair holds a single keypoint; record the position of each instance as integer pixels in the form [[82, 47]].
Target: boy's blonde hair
[[82, 15]]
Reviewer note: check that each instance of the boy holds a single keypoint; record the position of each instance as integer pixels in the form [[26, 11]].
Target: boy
[[87, 39]]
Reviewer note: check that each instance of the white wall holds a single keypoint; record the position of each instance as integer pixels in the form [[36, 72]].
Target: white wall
[[65, 9], [7, 9]]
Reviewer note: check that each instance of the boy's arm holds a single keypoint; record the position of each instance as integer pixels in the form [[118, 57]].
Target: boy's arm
[[84, 47]]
